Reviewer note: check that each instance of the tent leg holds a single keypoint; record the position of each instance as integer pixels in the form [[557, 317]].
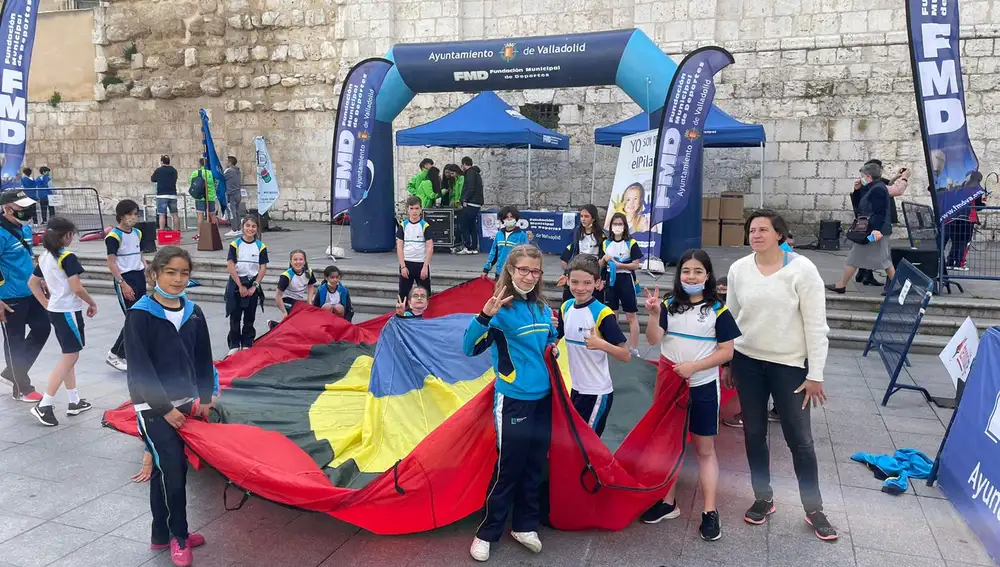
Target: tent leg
[[529, 176], [762, 175], [593, 175]]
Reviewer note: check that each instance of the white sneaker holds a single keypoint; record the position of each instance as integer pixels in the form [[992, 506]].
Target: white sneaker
[[233, 351], [116, 363], [480, 550], [233, 233], [529, 540]]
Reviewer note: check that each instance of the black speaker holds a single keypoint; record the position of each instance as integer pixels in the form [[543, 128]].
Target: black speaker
[[925, 260], [147, 245], [265, 221], [829, 235]]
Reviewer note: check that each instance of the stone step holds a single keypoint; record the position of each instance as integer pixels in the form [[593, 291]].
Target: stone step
[[940, 305], [856, 340], [929, 325]]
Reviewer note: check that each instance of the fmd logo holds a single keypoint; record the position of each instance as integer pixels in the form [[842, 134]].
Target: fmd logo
[[471, 75]]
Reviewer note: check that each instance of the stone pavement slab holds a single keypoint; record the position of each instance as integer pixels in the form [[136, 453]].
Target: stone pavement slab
[[66, 491]]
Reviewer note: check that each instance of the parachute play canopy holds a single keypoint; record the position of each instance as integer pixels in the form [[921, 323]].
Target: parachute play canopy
[[387, 425]]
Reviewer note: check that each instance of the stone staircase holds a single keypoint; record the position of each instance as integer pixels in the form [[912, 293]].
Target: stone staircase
[[373, 292]]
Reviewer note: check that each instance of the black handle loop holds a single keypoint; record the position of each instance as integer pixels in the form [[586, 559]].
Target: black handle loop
[[589, 469], [395, 477], [225, 498]]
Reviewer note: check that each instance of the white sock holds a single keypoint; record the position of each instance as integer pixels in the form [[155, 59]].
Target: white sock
[[47, 400], [74, 396]]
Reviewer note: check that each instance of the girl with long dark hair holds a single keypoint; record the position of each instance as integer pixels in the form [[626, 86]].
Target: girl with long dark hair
[[588, 238]]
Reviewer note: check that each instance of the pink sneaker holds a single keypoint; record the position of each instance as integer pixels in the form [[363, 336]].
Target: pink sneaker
[[32, 398], [194, 540], [180, 557]]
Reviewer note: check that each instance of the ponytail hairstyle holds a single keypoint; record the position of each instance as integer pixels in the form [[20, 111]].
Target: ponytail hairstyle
[[305, 268], [55, 232], [506, 278], [162, 258]]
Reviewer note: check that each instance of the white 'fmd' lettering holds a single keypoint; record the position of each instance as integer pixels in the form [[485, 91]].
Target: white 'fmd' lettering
[[668, 159], [943, 115], [472, 75], [345, 155], [12, 108]]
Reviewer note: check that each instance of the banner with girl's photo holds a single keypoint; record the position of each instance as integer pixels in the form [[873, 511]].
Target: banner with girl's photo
[[630, 193]]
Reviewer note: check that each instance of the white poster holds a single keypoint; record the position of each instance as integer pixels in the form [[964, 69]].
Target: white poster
[[267, 183], [631, 193], [960, 351]]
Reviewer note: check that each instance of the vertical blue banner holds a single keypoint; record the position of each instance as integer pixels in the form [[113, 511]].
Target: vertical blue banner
[[18, 35], [353, 169], [678, 157], [952, 166], [970, 461], [212, 160]]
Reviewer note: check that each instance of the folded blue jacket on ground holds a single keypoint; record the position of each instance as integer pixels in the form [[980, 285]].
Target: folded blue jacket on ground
[[897, 469]]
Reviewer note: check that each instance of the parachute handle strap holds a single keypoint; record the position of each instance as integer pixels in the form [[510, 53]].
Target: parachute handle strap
[[395, 477], [225, 498], [589, 469]]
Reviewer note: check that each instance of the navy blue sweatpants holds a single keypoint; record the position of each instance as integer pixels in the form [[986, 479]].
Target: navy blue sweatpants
[[136, 279], [524, 429], [167, 485]]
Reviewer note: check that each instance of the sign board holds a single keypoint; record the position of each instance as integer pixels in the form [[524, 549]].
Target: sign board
[[960, 351]]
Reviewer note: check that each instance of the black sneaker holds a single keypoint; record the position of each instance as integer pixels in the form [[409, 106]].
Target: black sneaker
[[711, 527], [78, 408], [659, 512], [822, 527], [46, 415], [758, 513]]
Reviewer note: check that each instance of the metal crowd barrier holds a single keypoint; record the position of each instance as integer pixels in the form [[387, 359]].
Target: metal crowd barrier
[[81, 205], [185, 210], [970, 247]]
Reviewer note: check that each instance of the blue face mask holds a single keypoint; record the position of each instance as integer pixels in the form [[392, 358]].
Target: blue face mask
[[166, 295], [692, 289]]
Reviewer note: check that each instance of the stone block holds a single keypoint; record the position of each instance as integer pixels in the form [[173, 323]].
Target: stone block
[[896, 38], [137, 61], [821, 56], [100, 65], [777, 27], [822, 151], [832, 170], [296, 52], [215, 27], [862, 39], [118, 90], [273, 79], [153, 62], [802, 169], [238, 54], [327, 50], [798, 203], [210, 86], [823, 41], [792, 151], [100, 93], [269, 19], [259, 53], [259, 82], [831, 202], [244, 106], [787, 131], [289, 82], [815, 129], [315, 18], [852, 151], [190, 57], [159, 87], [235, 22]]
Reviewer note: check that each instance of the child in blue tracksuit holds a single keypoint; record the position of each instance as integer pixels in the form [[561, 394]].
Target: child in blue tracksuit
[[332, 295], [516, 326], [506, 239], [170, 376]]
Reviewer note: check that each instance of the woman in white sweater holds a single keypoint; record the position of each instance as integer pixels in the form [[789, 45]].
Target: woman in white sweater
[[779, 303]]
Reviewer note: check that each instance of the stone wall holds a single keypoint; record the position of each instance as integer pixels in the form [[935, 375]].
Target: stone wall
[[829, 80]]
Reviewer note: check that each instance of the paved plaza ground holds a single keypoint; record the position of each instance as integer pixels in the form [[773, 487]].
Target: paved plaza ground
[[66, 499]]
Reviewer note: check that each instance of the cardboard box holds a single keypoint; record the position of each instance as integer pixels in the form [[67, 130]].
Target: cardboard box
[[710, 208], [710, 232], [731, 207], [732, 233]]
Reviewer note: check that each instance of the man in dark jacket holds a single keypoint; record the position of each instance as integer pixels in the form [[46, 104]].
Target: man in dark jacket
[[472, 203]]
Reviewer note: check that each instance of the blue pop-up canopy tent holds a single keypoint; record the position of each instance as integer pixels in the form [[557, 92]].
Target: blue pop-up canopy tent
[[486, 121], [721, 131]]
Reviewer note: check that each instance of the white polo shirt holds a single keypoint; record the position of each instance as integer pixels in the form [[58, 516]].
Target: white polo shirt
[[695, 334], [589, 368]]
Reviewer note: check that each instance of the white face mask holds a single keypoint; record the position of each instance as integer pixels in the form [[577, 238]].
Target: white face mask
[[522, 292], [617, 230], [509, 224]]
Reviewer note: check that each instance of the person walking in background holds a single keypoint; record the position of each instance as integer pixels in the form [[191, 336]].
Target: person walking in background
[[29, 185], [42, 183], [18, 306], [65, 299], [165, 178], [234, 195], [128, 268], [778, 301], [874, 254], [205, 204], [471, 202]]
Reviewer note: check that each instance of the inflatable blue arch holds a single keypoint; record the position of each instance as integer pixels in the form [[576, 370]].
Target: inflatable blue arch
[[626, 58]]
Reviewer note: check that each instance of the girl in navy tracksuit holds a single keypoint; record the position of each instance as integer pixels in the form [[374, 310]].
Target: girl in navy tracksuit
[[588, 239], [170, 376], [623, 251], [516, 326]]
